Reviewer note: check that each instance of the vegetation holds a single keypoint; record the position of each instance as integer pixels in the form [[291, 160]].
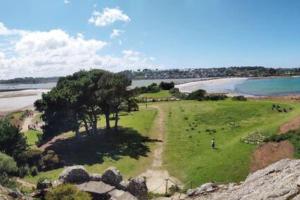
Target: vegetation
[[191, 125], [7, 164], [128, 148], [80, 99], [156, 95], [239, 98], [292, 136], [243, 71], [67, 192], [12, 142], [166, 86]]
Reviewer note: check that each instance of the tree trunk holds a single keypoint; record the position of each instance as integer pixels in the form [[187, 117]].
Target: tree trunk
[[77, 134], [107, 121], [116, 119], [86, 126]]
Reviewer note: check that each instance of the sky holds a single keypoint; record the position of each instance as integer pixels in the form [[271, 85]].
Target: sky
[[42, 38]]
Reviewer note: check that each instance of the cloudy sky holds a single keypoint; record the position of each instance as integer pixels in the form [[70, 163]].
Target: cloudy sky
[[58, 37]]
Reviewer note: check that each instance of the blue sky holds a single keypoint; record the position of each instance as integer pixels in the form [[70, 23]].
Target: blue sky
[[147, 33]]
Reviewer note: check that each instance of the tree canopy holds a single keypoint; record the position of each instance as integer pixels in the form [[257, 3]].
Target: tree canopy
[[80, 99]]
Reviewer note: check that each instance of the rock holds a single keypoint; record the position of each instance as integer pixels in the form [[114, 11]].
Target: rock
[[280, 181], [112, 177], [121, 195], [95, 177], [123, 185], [74, 174], [138, 188], [44, 184], [205, 188]]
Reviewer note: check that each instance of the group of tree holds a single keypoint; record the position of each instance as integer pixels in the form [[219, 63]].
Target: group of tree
[[154, 87], [79, 100]]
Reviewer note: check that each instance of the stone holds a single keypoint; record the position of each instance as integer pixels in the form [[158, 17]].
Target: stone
[[74, 174], [112, 176], [95, 177], [205, 188], [280, 180], [138, 188], [44, 184], [121, 195]]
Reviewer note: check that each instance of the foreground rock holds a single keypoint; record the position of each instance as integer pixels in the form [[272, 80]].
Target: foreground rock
[[280, 180], [8, 194], [74, 174], [110, 185]]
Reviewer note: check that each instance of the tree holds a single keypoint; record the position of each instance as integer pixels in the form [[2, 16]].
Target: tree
[[80, 100], [197, 95], [12, 142], [7, 164], [166, 85], [67, 192]]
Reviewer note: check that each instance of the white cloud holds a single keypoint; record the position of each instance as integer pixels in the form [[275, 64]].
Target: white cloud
[[67, 1], [57, 53], [116, 33], [3, 29], [108, 16]]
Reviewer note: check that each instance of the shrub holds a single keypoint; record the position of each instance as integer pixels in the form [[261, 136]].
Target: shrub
[[50, 160], [197, 95], [34, 171], [7, 164], [32, 157], [166, 85], [67, 192], [12, 142], [6, 181], [239, 98], [216, 97], [24, 170]]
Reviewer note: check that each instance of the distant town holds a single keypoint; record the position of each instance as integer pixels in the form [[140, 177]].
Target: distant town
[[245, 71]]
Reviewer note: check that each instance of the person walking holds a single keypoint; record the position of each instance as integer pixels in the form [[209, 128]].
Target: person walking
[[213, 143]]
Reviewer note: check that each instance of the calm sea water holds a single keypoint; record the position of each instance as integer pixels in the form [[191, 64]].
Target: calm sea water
[[269, 86]]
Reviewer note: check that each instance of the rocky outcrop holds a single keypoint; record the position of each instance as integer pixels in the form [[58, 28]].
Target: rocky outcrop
[[8, 194], [137, 187], [110, 185], [280, 180], [74, 174], [112, 176]]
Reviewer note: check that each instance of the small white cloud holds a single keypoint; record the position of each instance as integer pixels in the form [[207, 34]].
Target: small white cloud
[[67, 1], [108, 16], [116, 33]]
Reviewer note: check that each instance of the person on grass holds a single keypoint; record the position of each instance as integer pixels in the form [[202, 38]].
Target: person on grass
[[213, 143]]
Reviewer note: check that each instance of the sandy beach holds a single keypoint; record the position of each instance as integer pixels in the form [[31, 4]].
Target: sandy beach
[[19, 100], [218, 85]]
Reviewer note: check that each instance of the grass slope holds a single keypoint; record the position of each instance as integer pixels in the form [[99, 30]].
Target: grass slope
[[190, 128], [128, 150], [157, 95]]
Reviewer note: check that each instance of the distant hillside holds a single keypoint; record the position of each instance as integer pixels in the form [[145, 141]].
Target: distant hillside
[[29, 80], [245, 71]]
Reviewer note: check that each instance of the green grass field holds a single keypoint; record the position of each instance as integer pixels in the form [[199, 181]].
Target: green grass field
[[157, 95], [32, 138], [190, 129], [129, 150]]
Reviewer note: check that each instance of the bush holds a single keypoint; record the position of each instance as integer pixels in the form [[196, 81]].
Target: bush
[[239, 98], [6, 181], [216, 97], [32, 157], [176, 93], [24, 171], [12, 142], [34, 171], [67, 192], [197, 95], [7, 164], [50, 160], [166, 85]]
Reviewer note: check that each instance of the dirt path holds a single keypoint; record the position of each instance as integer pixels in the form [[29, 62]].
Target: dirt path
[[25, 183], [269, 153], [53, 140], [28, 121], [290, 126], [156, 176]]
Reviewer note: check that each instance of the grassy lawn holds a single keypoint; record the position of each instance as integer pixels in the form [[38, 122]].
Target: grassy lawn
[[128, 149], [188, 154], [157, 95], [32, 138]]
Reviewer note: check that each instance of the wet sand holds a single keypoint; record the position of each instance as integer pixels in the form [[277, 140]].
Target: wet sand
[[19, 100]]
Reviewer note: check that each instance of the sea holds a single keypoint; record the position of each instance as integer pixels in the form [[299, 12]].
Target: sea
[[19, 96]]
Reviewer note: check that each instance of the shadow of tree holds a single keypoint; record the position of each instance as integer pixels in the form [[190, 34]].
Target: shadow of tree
[[92, 149]]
